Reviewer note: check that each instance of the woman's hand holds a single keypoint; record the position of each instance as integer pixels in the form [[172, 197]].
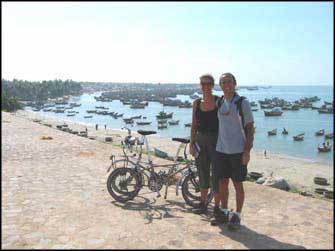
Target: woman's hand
[[192, 149]]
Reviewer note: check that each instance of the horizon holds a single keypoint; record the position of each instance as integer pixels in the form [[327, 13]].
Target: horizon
[[135, 83], [269, 43]]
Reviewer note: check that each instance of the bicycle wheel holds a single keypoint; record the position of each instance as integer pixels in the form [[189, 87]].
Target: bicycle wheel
[[123, 184], [191, 190]]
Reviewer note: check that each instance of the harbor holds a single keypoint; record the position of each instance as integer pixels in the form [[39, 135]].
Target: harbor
[[118, 113]]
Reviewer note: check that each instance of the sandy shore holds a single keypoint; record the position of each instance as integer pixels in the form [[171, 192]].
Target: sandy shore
[[298, 172], [54, 196]]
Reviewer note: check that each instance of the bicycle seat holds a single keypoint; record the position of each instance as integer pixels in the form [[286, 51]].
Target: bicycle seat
[[143, 132], [182, 140]]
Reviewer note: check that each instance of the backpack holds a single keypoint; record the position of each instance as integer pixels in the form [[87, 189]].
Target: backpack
[[238, 104]]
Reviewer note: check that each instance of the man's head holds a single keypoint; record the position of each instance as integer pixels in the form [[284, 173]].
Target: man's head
[[206, 82], [228, 83]]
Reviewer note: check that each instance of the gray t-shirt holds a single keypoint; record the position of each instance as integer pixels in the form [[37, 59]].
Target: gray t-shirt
[[231, 137]]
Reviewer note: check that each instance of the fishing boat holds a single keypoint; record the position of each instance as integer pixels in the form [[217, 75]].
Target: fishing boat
[[75, 104], [137, 106], [164, 115], [272, 132], [143, 122], [128, 120], [136, 117], [186, 104], [162, 121], [254, 109], [253, 103], [173, 122], [162, 126], [320, 132], [188, 124], [285, 132], [326, 110], [276, 111], [88, 116], [160, 153], [329, 135], [102, 107], [295, 107], [70, 114], [91, 111], [59, 110], [325, 147], [299, 137]]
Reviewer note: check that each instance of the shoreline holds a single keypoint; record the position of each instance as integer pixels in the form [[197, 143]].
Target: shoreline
[[118, 130], [298, 172]]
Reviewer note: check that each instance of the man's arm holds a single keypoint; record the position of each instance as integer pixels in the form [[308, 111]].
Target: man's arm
[[250, 137]]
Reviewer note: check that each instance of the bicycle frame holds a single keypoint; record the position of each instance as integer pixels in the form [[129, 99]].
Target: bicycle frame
[[145, 167]]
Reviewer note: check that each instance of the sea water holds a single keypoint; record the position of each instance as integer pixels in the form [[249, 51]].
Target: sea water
[[304, 120]]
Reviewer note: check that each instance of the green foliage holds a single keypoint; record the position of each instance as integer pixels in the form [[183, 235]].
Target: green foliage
[[8, 103], [39, 91]]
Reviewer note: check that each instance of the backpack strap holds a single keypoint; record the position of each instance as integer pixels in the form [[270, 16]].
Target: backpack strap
[[219, 101], [197, 116], [240, 112]]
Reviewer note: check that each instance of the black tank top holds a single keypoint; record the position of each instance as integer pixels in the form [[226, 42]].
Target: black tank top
[[207, 121]]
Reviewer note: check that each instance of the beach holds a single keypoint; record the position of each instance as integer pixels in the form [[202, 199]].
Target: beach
[[54, 196], [298, 172]]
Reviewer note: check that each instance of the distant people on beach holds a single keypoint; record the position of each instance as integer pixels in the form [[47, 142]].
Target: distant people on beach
[[235, 140], [96, 126], [105, 126], [86, 129], [203, 139], [264, 153]]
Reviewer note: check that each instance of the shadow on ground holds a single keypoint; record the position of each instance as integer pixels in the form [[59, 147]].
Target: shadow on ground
[[151, 211], [253, 240]]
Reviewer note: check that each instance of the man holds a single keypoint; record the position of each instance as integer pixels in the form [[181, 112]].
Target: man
[[235, 140]]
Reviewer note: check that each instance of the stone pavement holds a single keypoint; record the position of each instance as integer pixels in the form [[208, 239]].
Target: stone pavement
[[54, 196]]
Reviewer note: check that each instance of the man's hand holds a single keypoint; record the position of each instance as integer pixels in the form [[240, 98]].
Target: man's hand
[[192, 149], [245, 158]]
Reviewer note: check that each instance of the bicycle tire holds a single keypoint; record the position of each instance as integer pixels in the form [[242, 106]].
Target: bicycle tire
[[192, 198], [115, 188]]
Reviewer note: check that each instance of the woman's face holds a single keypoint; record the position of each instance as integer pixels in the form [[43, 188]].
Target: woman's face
[[227, 84], [206, 85]]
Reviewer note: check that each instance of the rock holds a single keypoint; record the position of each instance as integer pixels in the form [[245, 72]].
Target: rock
[[277, 182], [108, 139], [260, 180]]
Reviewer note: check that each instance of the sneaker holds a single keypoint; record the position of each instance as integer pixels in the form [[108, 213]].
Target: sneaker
[[201, 210], [219, 217], [235, 222]]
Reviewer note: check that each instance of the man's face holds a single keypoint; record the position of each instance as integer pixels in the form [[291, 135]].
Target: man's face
[[227, 84]]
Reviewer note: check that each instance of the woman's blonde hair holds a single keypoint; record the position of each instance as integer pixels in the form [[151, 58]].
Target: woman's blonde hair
[[207, 76]]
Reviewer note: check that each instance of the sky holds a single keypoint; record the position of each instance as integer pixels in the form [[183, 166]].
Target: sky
[[261, 43]]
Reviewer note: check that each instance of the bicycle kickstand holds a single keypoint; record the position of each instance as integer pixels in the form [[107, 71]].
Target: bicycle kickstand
[[166, 189]]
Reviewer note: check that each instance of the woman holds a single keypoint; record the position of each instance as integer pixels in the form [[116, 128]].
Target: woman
[[204, 131]]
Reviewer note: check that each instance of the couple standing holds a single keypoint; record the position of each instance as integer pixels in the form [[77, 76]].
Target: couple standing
[[221, 137]]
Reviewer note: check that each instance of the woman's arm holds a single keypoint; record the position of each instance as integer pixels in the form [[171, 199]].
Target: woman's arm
[[194, 123]]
